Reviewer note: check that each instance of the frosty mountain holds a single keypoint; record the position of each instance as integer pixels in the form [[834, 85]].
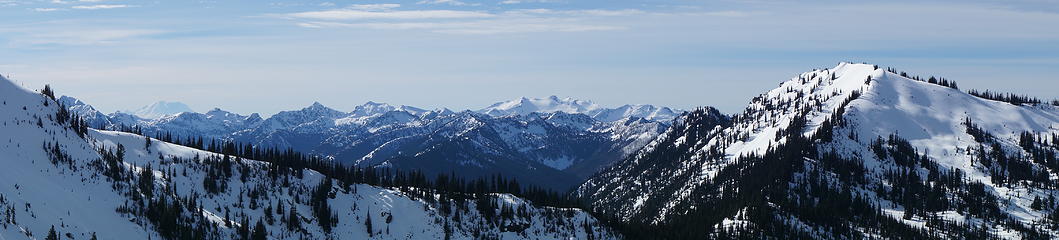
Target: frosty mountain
[[849, 152], [63, 180], [523, 138]]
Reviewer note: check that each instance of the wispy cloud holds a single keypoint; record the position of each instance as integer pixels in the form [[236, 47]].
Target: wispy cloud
[[100, 6], [77, 1], [356, 14], [528, 1], [68, 37], [498, 26], [389, 17], [374, 7], [449, 2]]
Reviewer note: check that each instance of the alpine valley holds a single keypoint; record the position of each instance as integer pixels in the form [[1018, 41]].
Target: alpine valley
[[856, 151]]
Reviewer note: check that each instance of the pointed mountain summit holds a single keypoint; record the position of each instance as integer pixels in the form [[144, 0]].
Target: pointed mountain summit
[[93, 117]]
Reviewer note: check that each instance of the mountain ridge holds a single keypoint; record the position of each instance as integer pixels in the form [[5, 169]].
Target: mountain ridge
[[843, 136]]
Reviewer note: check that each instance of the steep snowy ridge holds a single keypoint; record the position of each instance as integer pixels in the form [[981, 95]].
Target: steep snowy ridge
[[55, 179], [844, 136], [90, 114]]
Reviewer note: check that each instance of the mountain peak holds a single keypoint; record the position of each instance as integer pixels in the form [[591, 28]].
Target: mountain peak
[[160, 109], [549, 104], [372, 108]]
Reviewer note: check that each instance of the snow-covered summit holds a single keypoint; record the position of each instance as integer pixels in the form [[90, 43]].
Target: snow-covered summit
[[372, 108], [94, 117], [527, 106], [649, 112], [161, 109], [524, 106], [853, 128]]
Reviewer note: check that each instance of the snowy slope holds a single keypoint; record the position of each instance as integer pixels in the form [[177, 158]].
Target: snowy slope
[[69, 188], [861, 122]]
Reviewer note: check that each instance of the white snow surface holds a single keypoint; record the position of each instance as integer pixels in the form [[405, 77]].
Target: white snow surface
[[929, 116], [78, 201], [552, 104], [161, 109]]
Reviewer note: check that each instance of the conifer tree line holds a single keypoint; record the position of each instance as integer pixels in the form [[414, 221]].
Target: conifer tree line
[[1007, 97], [1012, 98], [288, 161], [932, 80]]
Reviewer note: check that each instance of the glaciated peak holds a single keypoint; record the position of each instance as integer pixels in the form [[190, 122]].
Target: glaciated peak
[[161, 109], [549, 104], [372, 108]]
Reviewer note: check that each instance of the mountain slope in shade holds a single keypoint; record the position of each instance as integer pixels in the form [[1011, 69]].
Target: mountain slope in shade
[[161, 109], [84, 182], [569, 146], [848, 152]]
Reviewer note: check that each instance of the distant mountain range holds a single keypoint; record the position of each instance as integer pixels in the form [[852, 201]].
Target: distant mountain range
[[525, 138]]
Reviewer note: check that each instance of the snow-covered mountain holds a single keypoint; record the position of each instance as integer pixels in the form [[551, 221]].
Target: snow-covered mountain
[[558, 141], [62, 180], [161, 109], [853, 151], [525, 106], [94, 117]]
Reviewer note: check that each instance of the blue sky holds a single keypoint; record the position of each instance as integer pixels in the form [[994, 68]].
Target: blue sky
[[267, 56]]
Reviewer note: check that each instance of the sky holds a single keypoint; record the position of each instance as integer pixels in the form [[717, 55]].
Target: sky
[[266, 56]]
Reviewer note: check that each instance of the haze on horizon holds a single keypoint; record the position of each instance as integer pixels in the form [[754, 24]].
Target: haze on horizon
[[268, 56]]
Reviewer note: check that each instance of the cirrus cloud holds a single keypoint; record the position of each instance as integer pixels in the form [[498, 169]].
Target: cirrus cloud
[[390, 17], [100, 6]]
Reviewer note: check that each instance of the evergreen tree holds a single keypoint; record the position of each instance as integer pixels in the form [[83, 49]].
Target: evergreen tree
[[293, 220], [367, 225], [260, 233], [52, 235], [48, 92]]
